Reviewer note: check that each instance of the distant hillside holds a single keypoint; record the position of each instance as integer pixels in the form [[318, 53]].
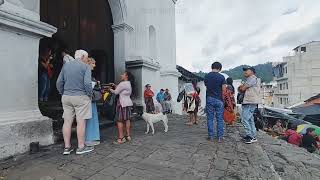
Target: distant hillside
[[264, 71]]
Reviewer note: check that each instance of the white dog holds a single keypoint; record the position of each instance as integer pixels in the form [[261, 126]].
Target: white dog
[[154, 118]]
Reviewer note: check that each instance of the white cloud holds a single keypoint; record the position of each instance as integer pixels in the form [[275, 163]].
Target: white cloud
[[242, 32]]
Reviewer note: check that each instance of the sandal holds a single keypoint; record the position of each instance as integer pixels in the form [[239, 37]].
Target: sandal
[[128, 138], [189, 123], [120, 141]]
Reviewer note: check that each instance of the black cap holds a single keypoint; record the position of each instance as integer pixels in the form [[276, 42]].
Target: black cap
[[249, 68]]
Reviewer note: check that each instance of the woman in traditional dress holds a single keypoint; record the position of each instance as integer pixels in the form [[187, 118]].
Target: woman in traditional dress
[[191, 103], [229, 103], [148, 99], [124, 107], [92, 125]]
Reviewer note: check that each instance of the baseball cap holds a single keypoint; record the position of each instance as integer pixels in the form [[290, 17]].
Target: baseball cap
[[249, 68]]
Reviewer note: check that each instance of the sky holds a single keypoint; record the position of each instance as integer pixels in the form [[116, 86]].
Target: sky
[[237, 32]]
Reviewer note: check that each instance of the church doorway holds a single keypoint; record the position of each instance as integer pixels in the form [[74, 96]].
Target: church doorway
[[82, 24]]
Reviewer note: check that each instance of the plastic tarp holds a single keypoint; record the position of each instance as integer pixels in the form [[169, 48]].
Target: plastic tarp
[[282, 114]]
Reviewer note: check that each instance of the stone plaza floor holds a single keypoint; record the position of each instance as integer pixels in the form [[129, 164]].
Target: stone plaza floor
[[182, 153]]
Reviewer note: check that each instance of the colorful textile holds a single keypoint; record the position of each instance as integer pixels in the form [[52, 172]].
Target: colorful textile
[[229, 105], [293, 137], [123, 113], [149, 104]]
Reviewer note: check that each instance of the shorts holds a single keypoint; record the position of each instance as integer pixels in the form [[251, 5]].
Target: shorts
[[78, 107]]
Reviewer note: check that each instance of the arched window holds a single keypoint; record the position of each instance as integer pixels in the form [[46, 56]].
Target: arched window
[[152, 43]]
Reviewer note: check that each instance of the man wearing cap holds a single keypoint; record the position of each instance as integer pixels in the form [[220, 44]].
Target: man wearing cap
[[251, 90]]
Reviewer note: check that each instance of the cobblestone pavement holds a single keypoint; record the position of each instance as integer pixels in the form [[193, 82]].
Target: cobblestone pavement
[[182, 153]]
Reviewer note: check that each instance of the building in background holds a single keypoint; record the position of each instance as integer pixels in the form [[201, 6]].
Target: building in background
[[298, 76], [267, 91], [281, 92], [135, 35]]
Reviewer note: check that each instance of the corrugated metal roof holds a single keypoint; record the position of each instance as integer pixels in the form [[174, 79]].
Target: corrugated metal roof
[[308, 110], [187, 75]]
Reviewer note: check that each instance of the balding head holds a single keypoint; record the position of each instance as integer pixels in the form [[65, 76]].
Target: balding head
[[81, 55]]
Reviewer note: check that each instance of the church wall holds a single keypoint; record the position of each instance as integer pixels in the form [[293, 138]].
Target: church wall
[[160, 15], [20, 119]]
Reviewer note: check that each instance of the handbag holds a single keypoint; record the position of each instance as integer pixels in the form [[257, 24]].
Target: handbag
[[96, 95], [110, 100]]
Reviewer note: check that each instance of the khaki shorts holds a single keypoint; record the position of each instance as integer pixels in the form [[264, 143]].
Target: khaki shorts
[[78, 107]]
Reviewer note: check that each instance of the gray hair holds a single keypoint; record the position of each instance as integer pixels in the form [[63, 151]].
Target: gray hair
[[92, 59], [79, 54]]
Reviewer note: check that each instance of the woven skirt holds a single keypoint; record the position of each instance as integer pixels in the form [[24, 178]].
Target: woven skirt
[[123, 113]]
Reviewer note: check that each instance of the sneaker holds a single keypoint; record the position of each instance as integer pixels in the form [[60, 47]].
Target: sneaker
[[84, 150], [220, 139], [68, 151], [254, 140], [244, 138], [248, 140]]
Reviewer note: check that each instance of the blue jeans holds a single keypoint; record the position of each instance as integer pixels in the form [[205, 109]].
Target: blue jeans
[[214, 107], [44, 87], [248, 119]]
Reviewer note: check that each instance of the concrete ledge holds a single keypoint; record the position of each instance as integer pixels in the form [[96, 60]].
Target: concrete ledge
[[143, 63], [14, 21], [20, 131]]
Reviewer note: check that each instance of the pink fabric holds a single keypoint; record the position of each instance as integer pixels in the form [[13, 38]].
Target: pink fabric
[[124, 90], [293, 137]]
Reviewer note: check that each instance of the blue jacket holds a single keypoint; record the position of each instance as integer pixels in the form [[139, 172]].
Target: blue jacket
[[160, 97]]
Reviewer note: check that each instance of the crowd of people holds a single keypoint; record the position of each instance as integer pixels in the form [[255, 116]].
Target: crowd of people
[[163, 97], [308, 140], [76, 85], [221, 104]]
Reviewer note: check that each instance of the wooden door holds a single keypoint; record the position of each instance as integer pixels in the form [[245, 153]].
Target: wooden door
[[83, 24]]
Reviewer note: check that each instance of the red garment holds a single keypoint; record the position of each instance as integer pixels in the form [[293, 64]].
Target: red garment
[[293, 137], [50, 71], [229, 103], [148, 93]]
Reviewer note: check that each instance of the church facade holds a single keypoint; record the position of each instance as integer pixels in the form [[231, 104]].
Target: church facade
[[136, 35]]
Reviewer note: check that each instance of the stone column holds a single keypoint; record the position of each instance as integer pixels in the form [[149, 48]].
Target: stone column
[[20, 119], [145, 72], [121, 47]]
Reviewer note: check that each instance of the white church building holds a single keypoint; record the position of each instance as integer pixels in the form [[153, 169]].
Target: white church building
[[137, 35]]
